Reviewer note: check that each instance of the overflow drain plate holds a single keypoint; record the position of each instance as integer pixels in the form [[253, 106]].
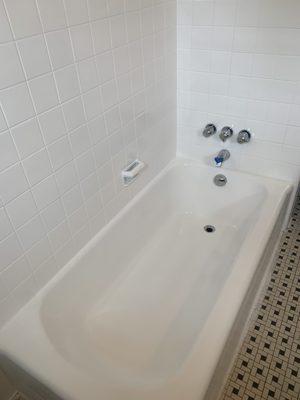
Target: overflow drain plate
[[209, 228]]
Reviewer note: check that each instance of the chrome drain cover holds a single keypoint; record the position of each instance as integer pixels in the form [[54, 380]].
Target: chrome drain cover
[[220, 180], [209, 228]]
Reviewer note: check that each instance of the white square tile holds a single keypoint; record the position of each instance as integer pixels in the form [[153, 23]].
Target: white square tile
[[124, 86], [34, 56], [31, 232], [126, 112], [118, 31], [3, 125], [102, 152], [22, 209], [10, 250], [92, 102], [53, 215], [59, 236], [97, 129], [222, 38], [60, 152], [85, 164], [294, 115], [241, 64], [3, 296], [147, 21], [116, 143], [97, 9], [60, 48], [105, 65], [77, 220], [27, 137], [203, 13], [45, 192], [101, 36], [44, 93], [113, 120], [52, 14], [37, 167], [292, 137], [67, 83], [5, 31], [122, 60], [16, 104], [11, 71], [8, 153], [77, 12], [24, 17], [115, 7], [136, 54], [133, 25], [66, 177], [12, 183], [72, 200], [109, 94], [248, 13], [87, 74], [80, 140], [5, 225], [93, 205], [38, 253], [15, 274], [89, 186], [225, 13], [52, 124], [82, 41], [74, 113]]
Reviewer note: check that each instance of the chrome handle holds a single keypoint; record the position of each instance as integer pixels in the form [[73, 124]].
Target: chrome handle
[[244, 136], [209, 130], [226, 133]]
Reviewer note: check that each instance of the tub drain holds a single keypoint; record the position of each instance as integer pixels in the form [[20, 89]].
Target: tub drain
[[209, 228]]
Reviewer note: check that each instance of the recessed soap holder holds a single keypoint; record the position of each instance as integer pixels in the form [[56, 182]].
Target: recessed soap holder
[[130, 173]]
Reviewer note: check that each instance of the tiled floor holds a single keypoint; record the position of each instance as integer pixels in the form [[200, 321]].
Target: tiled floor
[[268, 363]]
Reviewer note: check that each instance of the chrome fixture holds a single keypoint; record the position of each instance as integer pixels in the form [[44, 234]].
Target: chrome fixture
[[226, 133], [244, 136], [222, 156], [220, 180], [209, 130]]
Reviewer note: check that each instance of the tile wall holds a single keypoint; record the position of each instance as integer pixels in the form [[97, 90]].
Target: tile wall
[[239, 64], [86, 86]]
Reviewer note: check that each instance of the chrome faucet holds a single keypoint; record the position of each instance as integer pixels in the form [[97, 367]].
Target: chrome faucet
[[222, 156]]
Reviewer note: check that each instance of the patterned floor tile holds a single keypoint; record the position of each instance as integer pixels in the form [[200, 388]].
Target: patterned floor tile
[[268, 363]]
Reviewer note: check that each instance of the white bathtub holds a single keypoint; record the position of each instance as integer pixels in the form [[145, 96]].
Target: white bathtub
[[144, 310]]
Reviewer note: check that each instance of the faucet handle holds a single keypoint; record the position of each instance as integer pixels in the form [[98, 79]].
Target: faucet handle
[[226, 133], [219, 161], [209, 130], [244, 136]]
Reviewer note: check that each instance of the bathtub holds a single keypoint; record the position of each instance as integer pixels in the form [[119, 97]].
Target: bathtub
[[144, 311]]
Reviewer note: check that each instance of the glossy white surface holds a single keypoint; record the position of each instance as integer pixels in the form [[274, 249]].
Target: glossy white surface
[[143, 311]]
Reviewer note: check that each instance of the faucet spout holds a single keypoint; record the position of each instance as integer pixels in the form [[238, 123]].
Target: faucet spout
[[222, 156]]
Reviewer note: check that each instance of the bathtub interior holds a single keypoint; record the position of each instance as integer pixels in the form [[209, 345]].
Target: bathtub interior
[[152, 278]]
